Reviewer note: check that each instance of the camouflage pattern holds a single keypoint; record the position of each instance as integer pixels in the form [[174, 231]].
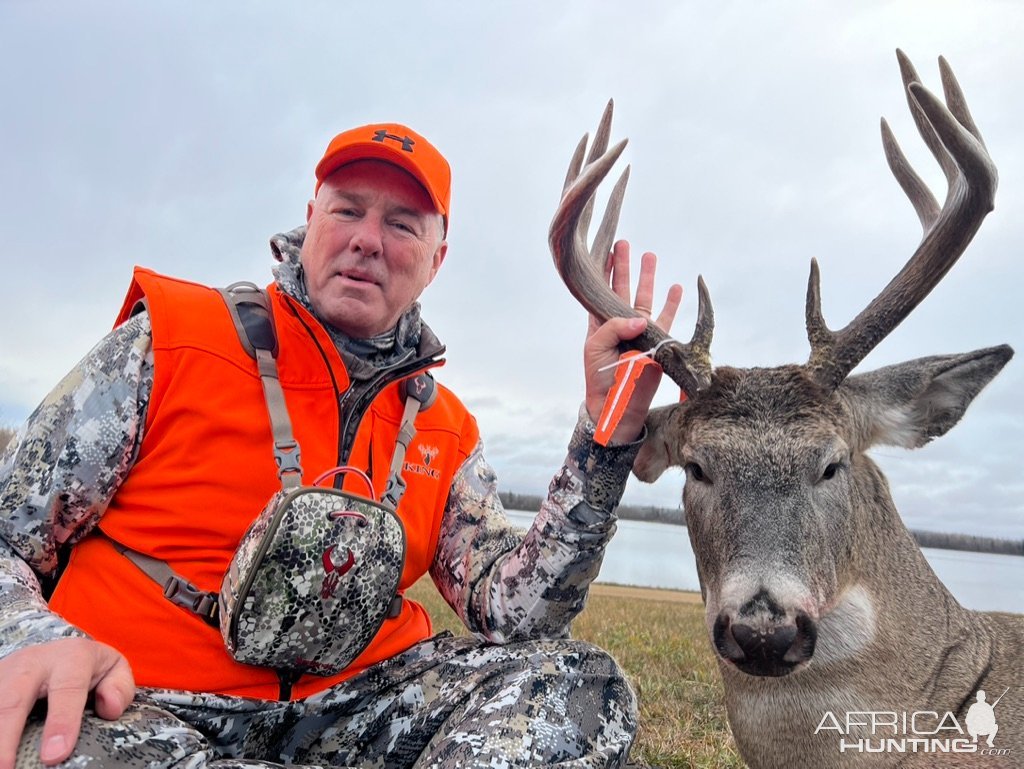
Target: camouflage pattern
[[508, 585], [447, 702], [60, 471], [58, 476], [311, 581]]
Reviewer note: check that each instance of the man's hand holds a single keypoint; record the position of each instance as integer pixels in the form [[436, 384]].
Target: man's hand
[[63, 672], [602, 347]]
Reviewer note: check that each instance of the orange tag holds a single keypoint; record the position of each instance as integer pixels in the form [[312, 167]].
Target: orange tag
[[627, 373]]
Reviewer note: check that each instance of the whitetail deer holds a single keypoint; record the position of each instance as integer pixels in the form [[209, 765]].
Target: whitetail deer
[[837, 644]]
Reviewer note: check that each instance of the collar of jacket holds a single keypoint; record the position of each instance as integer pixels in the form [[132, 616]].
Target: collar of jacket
[[345, 365]]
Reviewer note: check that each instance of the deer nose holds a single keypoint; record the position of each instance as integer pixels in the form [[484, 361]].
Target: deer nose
[[762, 640]]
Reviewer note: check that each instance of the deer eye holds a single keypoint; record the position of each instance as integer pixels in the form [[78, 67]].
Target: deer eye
[[831, 470], [696, 472]]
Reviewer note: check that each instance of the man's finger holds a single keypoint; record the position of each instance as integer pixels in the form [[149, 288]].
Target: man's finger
[[668, 313], [616, 274], [18, 696], [620, 269], [65, 704], [644, 302], [617, 330], [602, 347]]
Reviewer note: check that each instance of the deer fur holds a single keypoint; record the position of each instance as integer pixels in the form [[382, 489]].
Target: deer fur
[[762, 517]]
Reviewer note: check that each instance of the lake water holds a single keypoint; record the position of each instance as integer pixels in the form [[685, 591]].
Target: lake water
[[659, 555]]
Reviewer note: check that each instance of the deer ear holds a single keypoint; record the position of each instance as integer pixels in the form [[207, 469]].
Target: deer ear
[[911, 403], [657, 453]]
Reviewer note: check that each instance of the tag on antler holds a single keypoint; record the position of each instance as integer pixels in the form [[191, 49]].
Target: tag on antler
[[627, 371]]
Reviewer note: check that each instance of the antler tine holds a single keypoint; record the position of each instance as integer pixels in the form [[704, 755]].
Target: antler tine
[[600, 144], [582, 270], [956, 100], [605, 238], [924, 127], [575, 163], [699, 348], [921, 197], [954, 140]]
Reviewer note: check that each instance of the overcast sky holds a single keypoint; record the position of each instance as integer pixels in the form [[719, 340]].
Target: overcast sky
[[181, 135]]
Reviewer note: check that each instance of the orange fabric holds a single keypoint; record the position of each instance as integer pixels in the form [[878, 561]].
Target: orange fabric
[[396, 144], [205, 469]]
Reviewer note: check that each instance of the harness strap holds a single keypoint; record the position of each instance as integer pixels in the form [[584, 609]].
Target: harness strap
[[420, 393], [249, 307], [177, 589], [250, 311]]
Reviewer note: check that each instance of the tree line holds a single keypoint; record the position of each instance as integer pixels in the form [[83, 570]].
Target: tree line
[[531, 503], [941, 540]]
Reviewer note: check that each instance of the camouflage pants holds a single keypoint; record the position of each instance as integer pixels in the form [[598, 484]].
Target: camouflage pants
[[447, 702]]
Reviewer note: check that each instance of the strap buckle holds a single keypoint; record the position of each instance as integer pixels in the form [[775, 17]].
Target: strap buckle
[[186, 595], [394, 490], [287, 456]]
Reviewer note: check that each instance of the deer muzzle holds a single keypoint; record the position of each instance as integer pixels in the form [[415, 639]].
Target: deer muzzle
[[762, 639]]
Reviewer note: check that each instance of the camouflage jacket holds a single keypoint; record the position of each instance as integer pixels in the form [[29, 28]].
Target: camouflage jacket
[[64, 466]]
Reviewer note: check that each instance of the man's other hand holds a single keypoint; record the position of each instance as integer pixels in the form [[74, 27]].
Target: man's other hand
[[62, 672], [603, 339]]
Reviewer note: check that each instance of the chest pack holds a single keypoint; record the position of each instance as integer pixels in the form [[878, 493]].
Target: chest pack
[[316, 574]]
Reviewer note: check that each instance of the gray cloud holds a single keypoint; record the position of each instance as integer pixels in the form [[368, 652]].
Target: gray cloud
[[181, 135]]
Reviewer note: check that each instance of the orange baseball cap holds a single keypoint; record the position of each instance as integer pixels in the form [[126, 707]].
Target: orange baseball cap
[[396, 144]]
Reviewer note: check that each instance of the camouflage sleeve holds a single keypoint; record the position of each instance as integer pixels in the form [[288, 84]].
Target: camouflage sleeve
[[507, 584], [59, 473]]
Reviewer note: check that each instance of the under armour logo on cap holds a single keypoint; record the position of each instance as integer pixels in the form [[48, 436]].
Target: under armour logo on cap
[[397, 144], [405, 141]]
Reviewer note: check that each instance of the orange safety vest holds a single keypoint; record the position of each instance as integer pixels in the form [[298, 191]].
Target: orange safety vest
[[205, 469]]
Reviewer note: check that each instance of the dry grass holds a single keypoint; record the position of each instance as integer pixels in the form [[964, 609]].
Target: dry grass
[[661, 643]]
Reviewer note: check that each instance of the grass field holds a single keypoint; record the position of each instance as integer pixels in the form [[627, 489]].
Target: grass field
[[660, 640]]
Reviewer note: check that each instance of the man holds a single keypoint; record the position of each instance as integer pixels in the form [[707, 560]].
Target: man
[[981, 719], [160, 439]]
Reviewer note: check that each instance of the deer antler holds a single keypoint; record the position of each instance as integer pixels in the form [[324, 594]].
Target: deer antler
[[954, 140], [689, 365]]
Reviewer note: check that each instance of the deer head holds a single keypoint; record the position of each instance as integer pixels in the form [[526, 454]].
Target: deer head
[[799, 548]]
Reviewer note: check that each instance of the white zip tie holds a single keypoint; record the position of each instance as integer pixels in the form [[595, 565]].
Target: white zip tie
[[646, 354]]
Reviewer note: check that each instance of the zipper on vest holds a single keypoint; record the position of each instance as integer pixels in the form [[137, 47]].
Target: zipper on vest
[[372, 391], [348, 424]]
